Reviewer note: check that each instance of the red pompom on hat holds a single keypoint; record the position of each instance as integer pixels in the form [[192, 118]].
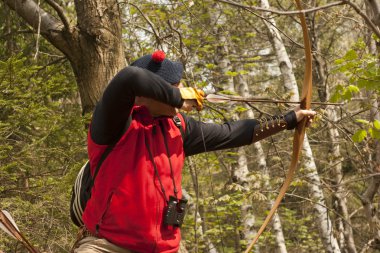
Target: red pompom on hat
[[158, 56]]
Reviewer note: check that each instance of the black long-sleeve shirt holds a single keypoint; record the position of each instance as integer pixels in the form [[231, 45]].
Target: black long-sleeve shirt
[[112, 112]]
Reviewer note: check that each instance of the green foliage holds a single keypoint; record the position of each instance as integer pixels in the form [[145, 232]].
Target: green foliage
[[41, 141], [300, 236], [231, 73], [372, 128], [362, 72]]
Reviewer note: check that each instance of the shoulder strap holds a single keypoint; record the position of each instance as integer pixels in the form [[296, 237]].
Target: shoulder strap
[[108, 150], [180, 123]]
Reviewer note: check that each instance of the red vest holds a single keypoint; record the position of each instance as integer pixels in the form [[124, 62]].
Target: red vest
[[127, 203]]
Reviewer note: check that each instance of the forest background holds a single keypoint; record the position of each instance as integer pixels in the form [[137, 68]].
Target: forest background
[[57, 56]]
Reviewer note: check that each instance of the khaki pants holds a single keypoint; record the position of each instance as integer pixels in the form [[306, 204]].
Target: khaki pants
[[91, 244]]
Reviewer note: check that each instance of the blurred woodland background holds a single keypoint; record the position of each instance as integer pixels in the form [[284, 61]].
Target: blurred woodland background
[[57, 56]]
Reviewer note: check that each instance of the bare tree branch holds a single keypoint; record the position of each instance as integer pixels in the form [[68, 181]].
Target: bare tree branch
[[181, 45], [156, 33], [60, 13], [254, 8], [50, 28], [251, 10], [371, 25], [375, 5], [29, 11], [38, 31], [353, 5]]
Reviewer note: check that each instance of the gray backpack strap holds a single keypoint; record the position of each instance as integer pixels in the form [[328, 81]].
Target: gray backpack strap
[[178, 123]]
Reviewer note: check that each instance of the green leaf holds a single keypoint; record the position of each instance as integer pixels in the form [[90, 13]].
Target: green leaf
[[366, 122], [353, 89], [337, 94], [376, 124], [250, 35], [296, 183], [376, 134], [369, 84], [351, 55], [335, 97], [359, 135], [250, 65], [210, 66], [231, 73]]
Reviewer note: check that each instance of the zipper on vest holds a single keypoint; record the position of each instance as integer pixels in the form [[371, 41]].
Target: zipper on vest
[[97, 226]]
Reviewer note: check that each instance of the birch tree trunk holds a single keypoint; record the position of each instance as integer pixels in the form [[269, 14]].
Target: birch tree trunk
[[197, 210], [192, 210], [239, 172], [322, 218], [249, 218], [347, 243], [93, 46], [368, 197], [343, 222]]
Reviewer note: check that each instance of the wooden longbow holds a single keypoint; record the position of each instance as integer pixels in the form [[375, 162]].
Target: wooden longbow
[[299, 133]]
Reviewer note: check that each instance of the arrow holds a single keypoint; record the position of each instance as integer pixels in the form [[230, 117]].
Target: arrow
[[8, 225], [216, 98], [4, 228]]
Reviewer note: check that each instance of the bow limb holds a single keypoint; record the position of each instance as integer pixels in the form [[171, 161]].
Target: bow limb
[[299, 133]]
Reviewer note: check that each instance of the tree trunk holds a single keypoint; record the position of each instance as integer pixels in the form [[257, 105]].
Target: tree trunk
[[375, 7], [373, 187], [368, 197], [343, 223], [94, 46], [100, 48], [197, 211], [239, 171], [249, 218], [193, 210], [222, 52], [7, 30], [335, 160]]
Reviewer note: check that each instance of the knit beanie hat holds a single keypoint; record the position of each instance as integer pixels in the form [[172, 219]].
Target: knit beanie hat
[[169, 70]]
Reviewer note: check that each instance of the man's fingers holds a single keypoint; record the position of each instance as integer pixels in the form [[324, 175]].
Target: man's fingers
[[193, 94]]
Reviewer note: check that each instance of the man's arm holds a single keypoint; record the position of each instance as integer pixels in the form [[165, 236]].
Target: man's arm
[[114, 108], [232, 134]]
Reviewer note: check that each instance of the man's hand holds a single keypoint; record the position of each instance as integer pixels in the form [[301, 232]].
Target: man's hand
[[300, 114], [192, 98], [189, 104]]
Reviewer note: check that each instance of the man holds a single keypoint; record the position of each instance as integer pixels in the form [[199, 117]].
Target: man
[[138, 188]]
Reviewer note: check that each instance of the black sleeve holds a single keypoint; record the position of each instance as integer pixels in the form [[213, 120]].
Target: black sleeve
[[216, 136], [231, 134], [112, 111]]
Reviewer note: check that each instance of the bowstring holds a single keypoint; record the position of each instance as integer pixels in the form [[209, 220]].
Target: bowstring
[[211, 181]]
